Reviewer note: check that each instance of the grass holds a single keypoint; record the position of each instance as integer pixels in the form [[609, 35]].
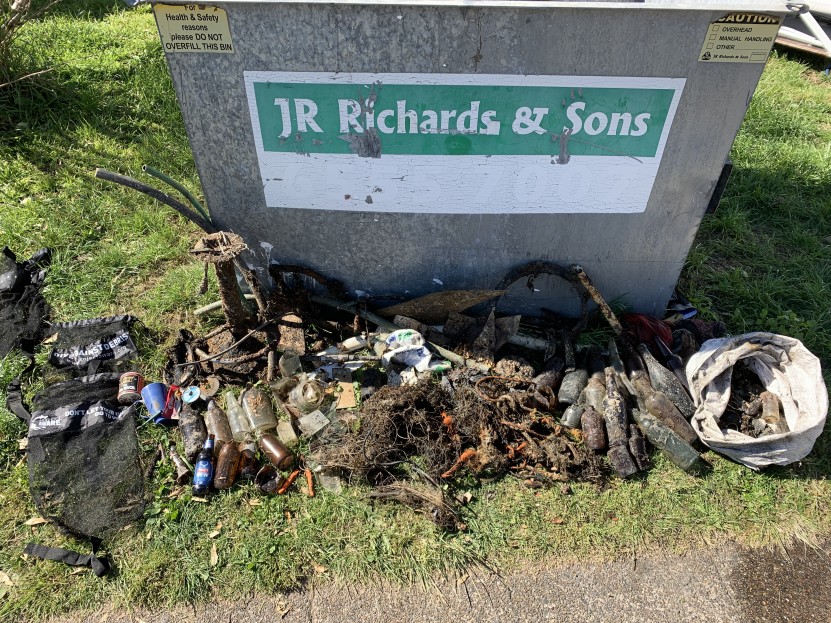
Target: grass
[[761, 262]]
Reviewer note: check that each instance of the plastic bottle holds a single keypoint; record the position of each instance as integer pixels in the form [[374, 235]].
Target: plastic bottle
[[257, 406], [193, 431], [217, 424], [657, 404], [227, 466], [236, 418], [662, 437], [203, 472]]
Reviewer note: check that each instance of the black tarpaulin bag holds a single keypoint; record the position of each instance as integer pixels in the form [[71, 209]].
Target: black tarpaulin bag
[[22, 306], [85, 347], [84, 471], [83, 454]]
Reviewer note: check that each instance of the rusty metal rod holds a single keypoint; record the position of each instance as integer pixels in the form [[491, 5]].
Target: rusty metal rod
[[598, 298]]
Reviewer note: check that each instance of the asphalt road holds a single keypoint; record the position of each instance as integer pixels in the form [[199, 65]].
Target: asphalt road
[[723, 585]]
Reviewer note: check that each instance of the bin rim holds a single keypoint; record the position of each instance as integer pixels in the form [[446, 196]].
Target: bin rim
[[769, 6]]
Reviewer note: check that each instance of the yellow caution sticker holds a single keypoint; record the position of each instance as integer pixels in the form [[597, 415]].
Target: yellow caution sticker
[[740, 38], [193, 28]]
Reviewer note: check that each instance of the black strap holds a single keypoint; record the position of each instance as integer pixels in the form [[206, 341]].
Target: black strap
[[99, 566], [14, 400]]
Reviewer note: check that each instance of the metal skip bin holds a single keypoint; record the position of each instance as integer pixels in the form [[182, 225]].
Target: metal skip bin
[[404, 147]]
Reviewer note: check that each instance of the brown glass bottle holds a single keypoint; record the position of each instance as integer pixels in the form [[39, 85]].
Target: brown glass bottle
[[227, 466], [594, 432], [661, 407], [249, 465], [217, 424], [274, 450]]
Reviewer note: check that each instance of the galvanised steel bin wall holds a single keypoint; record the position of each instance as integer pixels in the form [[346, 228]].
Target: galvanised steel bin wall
[[407, 147]]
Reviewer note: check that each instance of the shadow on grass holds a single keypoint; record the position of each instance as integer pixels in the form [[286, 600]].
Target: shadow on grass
[[40, 117], [90, 9]]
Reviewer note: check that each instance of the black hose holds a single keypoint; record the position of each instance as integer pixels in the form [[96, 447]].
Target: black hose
[[181, 208]]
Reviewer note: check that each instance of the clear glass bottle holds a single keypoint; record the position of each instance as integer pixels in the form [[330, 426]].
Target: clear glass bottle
[[665, 439], [236, 418], [307, 396]]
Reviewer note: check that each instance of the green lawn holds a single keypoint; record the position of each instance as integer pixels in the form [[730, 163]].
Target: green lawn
[[763, 262]]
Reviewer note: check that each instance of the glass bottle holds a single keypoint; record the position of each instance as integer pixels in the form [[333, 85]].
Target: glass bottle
[[257, 406], [193, 430], [236, 417], [217, 424], [203, 472]]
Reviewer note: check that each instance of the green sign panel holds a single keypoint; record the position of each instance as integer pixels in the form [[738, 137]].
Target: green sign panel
[[398, 117]]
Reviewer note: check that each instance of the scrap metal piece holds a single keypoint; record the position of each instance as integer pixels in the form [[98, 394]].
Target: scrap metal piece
[[435, 307], [221, 249], [532, 270]]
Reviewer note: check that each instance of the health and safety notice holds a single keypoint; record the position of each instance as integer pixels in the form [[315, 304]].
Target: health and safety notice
[[740, 38], [193, 28]]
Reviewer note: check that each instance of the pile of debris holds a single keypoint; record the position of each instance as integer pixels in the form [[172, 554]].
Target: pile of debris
[[418, 400], [416, 396]]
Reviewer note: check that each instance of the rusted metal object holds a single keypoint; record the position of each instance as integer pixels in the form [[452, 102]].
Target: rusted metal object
[[607, 312], [435, 307], [183, 472], [220, 249]]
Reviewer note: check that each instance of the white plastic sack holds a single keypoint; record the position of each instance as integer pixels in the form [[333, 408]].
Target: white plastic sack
[[786, 368]]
